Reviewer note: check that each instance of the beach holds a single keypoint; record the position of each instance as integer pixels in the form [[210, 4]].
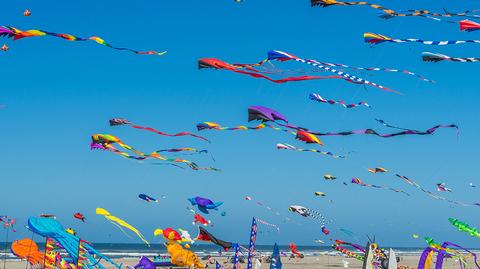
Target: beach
[[305, 263]]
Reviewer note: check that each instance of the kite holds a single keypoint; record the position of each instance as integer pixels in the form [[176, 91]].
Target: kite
[[357, 181], [464, 227], [242, 69], [27, 13], [248, 198], [9, 32], [145, 263], [204, 204], [319, 193], [4, 47], [443, 251], [329, 177], [181, 257], [49, 216], [276, 55], [79, 216], [295, 252], [373, 38], [429, 193], [308, 138], [469, 26], [318, 241], [223, 214], [389, 13], [204, 235], [169, 234], [106, 141], [442, 188], [27, 249], [325, 231], [306, 212], [290, 147], [186, 237], [377, 170], [197, 218], [147, 198], [267, 224], [472, 185], [338, 247], [430, 131], [437, 57], [415, 236], [79, 251], [117, 221], [8, 223], [71, 231], [318, 98], [264, 114], [120, 121], [283, 56]]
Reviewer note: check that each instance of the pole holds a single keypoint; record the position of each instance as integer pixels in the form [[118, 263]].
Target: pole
[[5, 250]]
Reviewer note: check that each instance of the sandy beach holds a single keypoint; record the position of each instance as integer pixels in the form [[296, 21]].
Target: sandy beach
[[305, 263]]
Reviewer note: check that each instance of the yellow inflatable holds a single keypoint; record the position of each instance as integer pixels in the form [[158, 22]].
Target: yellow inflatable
[[182, 257]]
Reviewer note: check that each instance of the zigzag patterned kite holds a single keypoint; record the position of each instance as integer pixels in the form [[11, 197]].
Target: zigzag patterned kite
[[318, 98], [373, 38], [290, 147], [437, 57]]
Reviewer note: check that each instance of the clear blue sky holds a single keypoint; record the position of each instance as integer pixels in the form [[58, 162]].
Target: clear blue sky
[[58, 93]]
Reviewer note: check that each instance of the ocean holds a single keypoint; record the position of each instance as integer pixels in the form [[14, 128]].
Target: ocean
[[135, 251]]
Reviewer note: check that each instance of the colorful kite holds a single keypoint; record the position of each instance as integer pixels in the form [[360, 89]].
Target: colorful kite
[[147, 198], [204, 204], [119, 222], [469, 26], [377, 170], [27, 13], [318, 98], [204, 235], [4, 47], [106, 141], [79, 216], [389, 13], [329, 177], [464, 227], [9, 32], [319, 193], [181, 257], [308, 213], [373, 38], [441, 187], [197, 218], [437, 57], [247, 70], [120, 121], [27, 249], [357, 181], [290, 147], [295, 252], [169, 234], [429, 193]]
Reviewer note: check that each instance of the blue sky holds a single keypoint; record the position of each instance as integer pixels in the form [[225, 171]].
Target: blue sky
[[58, 93]]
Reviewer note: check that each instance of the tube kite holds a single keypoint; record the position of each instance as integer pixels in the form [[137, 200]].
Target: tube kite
[[9, 32], [464, 227], [146, 198], [469, 26], [377, 170], [204, 235], [318, 98], [106, 141], [389, 13], [242, 69], [197, 218], [429, 193], [79, 216], [437, 57], [358, 181], [117, 221], [290, 147], [204, 204], [308, 213], [373, 38], [120, 121]]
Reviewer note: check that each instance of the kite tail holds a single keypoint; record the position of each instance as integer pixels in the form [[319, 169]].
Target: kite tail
[[165, 134], [318, 98], [290, 147], [437, 57], [216, 126]]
